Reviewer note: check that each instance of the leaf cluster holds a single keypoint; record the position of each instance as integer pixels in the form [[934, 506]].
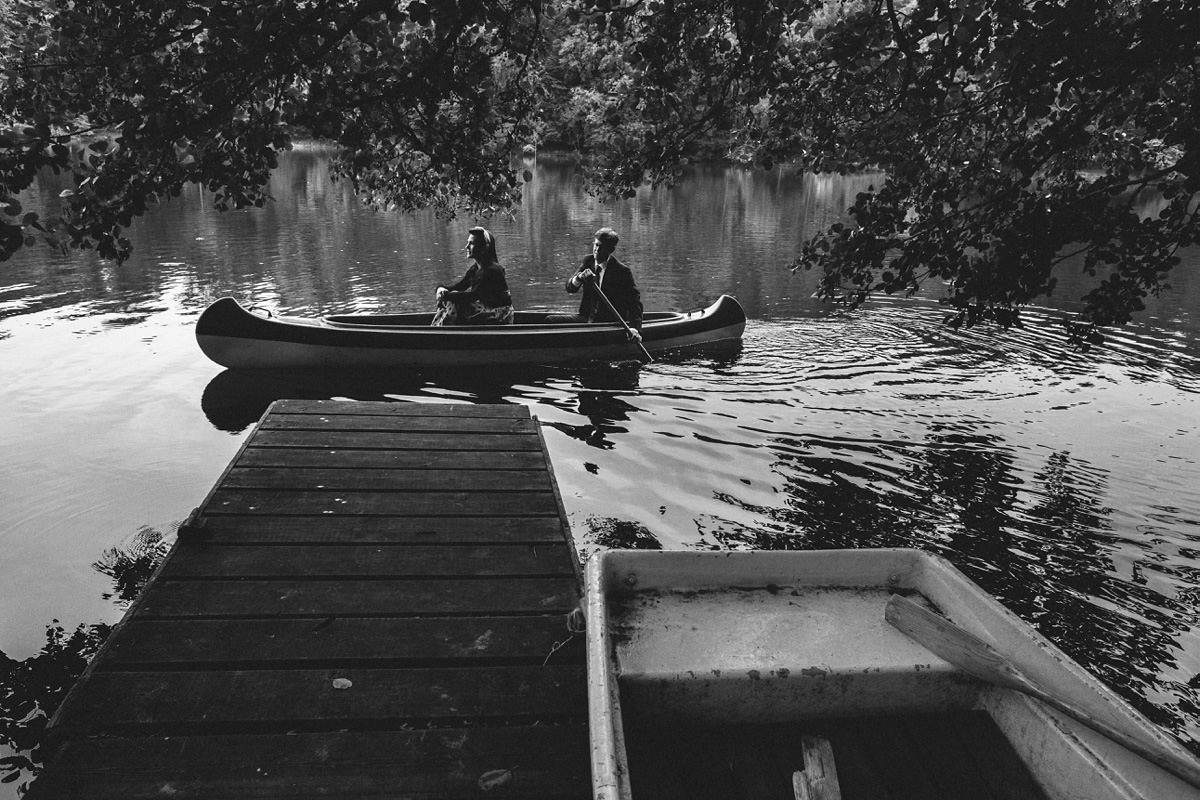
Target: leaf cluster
[[1017, 137], [32, 689], [135, 101]]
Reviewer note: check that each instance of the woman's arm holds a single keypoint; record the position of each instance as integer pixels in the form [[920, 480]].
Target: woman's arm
[[463, 283], [489, 287]]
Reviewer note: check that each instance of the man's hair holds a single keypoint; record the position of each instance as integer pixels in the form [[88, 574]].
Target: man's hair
[[607, 237]]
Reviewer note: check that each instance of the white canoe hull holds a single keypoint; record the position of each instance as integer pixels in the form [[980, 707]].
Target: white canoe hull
[[767, 637]]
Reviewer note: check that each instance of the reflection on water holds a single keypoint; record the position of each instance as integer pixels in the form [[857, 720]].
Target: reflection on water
[[1011, 456], [31, 689], [1068, 485]]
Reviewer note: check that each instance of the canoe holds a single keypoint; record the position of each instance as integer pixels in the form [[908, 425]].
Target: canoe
[[237, 337], [750, 673]]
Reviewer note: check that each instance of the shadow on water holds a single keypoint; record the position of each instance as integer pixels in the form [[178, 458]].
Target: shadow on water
[[236, 399], [1050, 561]]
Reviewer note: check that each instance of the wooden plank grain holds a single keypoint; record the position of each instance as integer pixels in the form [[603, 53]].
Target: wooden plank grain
[[416, 459], [359, 479], [546, 761], [376, 408], [365, 561], [267, 529], [379, 503], [389, 440], [467, 426], [154, 643], [317, 597], [328, 699]]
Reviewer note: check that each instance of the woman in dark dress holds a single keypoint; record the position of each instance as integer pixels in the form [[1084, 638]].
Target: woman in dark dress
[[481, 296]]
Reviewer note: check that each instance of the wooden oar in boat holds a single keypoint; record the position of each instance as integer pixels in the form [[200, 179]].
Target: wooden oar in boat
[[628, 331], [976, 657]]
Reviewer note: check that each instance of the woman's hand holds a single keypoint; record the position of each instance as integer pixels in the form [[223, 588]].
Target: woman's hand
[[440, 294]]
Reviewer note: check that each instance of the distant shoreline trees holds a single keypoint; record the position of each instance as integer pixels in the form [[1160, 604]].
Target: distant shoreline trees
[[1013, 135]]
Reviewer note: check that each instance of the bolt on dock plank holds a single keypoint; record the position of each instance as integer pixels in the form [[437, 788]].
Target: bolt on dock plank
[[372, 601]]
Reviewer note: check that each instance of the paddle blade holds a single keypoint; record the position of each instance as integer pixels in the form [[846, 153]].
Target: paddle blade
[[976, 657], [961, 648]]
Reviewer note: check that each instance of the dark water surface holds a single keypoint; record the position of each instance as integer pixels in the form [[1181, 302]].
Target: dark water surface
[[1066, 484]]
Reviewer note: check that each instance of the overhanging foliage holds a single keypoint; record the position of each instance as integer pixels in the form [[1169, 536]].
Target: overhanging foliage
[[1015, 136]]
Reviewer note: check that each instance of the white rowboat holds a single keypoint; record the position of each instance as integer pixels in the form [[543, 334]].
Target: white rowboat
[[698, 643]]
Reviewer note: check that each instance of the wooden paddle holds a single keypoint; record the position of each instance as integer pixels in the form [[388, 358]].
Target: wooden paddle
[[628, 331], [976, 657]]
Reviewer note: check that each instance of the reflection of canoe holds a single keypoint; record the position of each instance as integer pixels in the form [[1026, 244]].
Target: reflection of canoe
[[236, 337], [712, 672]]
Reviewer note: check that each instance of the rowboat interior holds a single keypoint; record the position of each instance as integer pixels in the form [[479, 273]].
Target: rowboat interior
[[928, 756], [776, 675]]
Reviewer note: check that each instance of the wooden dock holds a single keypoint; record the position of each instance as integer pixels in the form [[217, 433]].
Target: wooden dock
[[373, 601]]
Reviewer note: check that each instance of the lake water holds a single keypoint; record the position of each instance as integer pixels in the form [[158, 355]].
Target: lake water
[[1066, 484]]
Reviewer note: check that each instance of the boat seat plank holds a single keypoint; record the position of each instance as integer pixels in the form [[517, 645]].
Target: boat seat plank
[[358, 422], [344, 408], [358, 479], [379, 530], [300, 502], [308, 699], [367, 561], [546, 761], [415, 459], [399, 440], [342, 597], [402, 641], [819, 779]]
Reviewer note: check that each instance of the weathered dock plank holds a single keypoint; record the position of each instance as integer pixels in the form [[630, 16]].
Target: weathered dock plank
[[442, 763], [373, 601], [156, 643], [321, 598], [216, 701], [314, 478], [426, 529], [396, 440], [369, 561], [396, 459], [326, 503]]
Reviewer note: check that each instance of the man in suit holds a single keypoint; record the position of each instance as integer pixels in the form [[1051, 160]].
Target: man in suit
[[602, 269]]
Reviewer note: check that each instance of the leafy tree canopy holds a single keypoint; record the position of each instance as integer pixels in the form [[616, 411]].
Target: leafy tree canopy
[[1014, 134]]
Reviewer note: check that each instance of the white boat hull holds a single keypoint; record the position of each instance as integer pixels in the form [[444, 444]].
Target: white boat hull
[[784, 636]]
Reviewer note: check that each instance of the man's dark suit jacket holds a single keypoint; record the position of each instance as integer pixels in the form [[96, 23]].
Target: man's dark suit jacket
[[618, 286]]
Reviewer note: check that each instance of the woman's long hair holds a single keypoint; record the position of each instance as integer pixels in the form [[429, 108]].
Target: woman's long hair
[[489, 246]]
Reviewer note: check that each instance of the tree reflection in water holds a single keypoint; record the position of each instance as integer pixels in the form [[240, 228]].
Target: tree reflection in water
[[1049, 563], [31, 689]]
